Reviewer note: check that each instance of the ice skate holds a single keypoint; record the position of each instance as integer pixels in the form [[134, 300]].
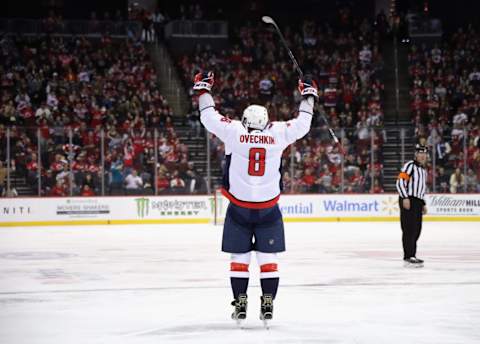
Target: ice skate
[[240, 312], [413, 262], [266, 309]]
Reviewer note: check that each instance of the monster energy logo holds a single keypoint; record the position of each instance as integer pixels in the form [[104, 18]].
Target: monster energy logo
[[216, 205], [142, 206], [213, 204]]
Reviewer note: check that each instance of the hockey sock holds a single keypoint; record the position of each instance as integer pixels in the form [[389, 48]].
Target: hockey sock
[[269, 286], [239, 286], [269, 277], [239, 274]]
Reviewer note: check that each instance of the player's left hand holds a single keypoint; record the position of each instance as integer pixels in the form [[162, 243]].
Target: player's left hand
[[203, 81], [424, 210], [307, 86]]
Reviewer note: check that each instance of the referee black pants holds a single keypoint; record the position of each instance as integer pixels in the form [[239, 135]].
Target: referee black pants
[[411, 221]]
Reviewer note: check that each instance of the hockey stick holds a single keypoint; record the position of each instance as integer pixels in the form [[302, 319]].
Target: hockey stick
[[269, 20]]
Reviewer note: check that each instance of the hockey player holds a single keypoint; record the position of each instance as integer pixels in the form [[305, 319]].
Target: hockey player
[[252, 183]]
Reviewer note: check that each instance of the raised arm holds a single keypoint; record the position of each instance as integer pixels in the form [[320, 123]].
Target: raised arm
[[215, 123], [297, 128]]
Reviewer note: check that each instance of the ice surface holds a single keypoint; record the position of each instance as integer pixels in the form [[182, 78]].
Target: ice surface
[[340, 283]]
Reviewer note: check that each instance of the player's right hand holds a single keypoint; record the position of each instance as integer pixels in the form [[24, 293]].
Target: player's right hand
[[406, 203], [203, 82], [307, 86]]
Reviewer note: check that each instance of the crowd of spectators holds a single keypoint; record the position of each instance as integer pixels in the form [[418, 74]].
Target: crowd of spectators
[[111, 23], [445, 105], [153, 22], [63, 97], [345, 59]]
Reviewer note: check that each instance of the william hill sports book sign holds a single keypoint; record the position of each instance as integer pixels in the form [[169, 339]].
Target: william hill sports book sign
[[457, 205]]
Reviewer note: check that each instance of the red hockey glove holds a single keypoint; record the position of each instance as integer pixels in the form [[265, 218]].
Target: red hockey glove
[[308, 87], [203, 82]]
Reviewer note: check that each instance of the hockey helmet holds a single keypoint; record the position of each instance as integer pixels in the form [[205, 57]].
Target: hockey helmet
[[255, 117]]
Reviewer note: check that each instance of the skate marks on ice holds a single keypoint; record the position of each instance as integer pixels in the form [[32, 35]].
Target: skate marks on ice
[[253, 331], [36, 255], [19, 300], [202, 328], [352, 282]]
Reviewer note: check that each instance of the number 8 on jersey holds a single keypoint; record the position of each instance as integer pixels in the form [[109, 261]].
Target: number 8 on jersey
[[256, 164]]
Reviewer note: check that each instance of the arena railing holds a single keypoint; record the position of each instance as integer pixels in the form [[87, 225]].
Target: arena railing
[[89, 28], [197, 28], [424, 27]]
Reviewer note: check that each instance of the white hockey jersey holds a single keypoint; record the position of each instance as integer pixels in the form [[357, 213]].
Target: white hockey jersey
[[252, 173]]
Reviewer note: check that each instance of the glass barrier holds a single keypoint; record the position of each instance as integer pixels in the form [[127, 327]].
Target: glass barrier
[[64, 161]]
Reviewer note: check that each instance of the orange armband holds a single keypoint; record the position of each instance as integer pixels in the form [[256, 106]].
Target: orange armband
[[404, 176]]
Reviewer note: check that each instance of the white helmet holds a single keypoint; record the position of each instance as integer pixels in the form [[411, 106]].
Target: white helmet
[[255, 117]]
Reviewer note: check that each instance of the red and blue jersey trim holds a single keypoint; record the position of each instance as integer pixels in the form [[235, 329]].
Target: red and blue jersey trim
[[250, 205]]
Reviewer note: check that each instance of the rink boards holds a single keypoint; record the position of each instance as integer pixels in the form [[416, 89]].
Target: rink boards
[[212, 209]]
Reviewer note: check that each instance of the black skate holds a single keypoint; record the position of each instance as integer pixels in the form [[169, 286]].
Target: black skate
[[413, 262], [240, 312], [266, 309]]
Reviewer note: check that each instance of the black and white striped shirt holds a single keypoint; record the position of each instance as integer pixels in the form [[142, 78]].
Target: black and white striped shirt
[[412, 180]]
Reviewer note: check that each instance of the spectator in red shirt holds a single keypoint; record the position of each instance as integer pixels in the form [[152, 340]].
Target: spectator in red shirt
[[58, 190], [163, 184], [357, 181], [177, 184], [308, 180], [87, 192], [32, 169], [377, 188], [128, 156]]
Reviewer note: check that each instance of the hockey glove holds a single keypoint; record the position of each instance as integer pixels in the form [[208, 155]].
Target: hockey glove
[[308, 87], [203, 82]]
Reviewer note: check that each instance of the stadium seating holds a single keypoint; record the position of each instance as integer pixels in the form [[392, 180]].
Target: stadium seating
[[445, 104], [72, 89]]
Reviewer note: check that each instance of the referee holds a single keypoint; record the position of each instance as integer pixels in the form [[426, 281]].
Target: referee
[[411, 186]]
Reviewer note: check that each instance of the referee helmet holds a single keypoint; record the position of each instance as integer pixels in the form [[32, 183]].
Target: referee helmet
[[421, 148]]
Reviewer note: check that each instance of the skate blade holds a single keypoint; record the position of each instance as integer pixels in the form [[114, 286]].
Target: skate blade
[[265, 318], [240, 323], [266, 324], [413, 266]]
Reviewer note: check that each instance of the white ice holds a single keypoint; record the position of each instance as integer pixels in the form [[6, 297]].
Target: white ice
[[340, 283]]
